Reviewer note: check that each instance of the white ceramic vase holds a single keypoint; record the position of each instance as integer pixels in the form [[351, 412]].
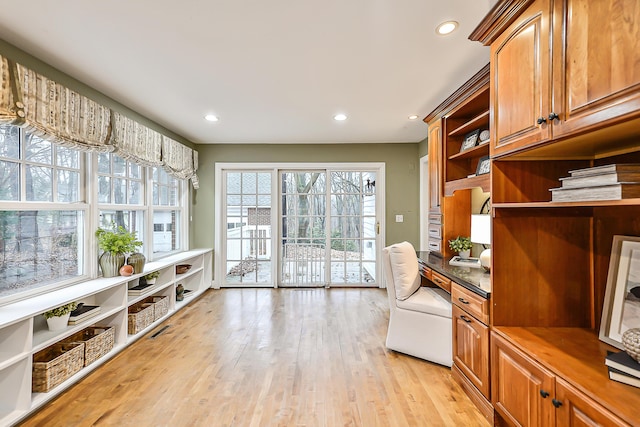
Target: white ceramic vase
[[58, 323]]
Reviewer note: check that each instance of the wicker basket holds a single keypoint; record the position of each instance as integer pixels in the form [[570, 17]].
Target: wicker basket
[[140, 316], [98, 341], [55, 364], [160, 305]]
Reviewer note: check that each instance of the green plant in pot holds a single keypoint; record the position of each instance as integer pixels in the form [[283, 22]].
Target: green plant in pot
[[58, 317], [115, 242], [461, 245], [150, 278]]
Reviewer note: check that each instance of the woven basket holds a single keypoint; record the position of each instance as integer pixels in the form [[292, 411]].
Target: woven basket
[[631, 343], [140, 316], [98, 341], [55, 364], [160, 305]]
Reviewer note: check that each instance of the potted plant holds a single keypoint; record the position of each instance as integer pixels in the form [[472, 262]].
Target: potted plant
[[150, 278], [461, 245], [58, 317], [115, 242]]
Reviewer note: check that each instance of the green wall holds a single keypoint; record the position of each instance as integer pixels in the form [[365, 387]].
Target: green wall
[[401, 179]]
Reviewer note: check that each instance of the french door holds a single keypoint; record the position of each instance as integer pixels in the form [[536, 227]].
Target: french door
[[311, 227]]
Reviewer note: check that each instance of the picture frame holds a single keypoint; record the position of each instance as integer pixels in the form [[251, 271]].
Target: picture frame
[[470, 140], [621, 305], [484, 165]]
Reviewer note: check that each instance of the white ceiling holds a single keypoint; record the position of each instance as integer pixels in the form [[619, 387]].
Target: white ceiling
[[273, 71]]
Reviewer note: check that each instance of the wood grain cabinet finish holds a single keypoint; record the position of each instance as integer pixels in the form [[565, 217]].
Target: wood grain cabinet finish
[[563, 68], [442, 281], [577, 410], [471, 348], [435, 167], [470, 302], [521, 389]]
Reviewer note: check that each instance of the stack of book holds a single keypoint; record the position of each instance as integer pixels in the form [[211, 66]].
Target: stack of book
[[139, 289], [82, 313], [623, 368], [608, 182]]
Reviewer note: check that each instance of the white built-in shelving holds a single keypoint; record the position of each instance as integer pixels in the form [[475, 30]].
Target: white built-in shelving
[[24, 332]]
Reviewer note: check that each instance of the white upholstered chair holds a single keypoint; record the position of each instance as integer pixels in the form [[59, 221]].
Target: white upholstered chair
[[419, 317]]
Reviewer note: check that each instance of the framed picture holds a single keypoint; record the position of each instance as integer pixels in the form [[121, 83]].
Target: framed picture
[[484, 137], [470, 140], [621, 310], [484, 165]]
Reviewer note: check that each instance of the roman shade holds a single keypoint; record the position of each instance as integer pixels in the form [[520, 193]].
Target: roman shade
[[179, 160], [10, 113], [136, 142]]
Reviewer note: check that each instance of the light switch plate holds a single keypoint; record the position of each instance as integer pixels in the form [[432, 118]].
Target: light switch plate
[[399, 218]]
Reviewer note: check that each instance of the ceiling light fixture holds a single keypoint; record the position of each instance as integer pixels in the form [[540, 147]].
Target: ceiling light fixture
[[211, 118], [446, 28], [340, 117], [413, 117]]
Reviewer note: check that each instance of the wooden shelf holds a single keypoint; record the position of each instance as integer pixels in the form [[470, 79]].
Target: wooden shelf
[[471, 152], [577, 356], [482, 181], [475, 123], [579, 204]]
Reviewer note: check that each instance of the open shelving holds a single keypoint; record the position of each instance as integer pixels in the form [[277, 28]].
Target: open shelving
[[23, 329]]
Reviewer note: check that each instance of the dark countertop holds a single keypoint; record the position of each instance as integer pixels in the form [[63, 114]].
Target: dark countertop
[[474, 279]]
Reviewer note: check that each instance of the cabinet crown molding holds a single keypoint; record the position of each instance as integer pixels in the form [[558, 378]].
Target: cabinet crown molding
[[501, 15]]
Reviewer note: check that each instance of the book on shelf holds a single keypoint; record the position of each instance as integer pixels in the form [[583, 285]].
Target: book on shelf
[[621, 361], [618, 191], [600, 179], [139, 289], [622, 377], [83, 312], [613, 168]]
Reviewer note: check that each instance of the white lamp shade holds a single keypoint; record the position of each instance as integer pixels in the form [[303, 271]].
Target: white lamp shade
[[481, 229]]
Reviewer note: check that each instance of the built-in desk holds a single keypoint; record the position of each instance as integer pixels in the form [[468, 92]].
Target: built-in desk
[[474, 279], [470, 290]]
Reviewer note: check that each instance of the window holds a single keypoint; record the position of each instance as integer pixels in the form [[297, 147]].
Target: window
[[42, 213], [167, 211]]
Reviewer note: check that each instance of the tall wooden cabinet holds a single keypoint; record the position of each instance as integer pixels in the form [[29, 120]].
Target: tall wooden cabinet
[[565, 92]]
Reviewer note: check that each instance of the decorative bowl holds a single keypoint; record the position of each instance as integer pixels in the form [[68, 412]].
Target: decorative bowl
[[182, 268], [126, 270], [631, 343]]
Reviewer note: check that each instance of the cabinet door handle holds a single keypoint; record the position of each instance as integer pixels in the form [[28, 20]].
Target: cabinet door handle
[[541, 120], [544, 394], [553, 116], [462, 300], [465, 318], [556, 403]]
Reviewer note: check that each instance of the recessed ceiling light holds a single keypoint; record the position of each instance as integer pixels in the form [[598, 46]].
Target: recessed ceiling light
[[340, 117], [211, 118], [446, 28], [413, 117]]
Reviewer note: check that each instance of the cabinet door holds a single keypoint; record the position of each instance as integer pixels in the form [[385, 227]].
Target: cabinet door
[[435, 166], [520, 76], [521, 389], [471, 349], [575, 409], [596, 63]]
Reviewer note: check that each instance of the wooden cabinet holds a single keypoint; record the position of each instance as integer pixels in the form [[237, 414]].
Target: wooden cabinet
[[527, 393], [435, 167], [560, 69], [470, 317]]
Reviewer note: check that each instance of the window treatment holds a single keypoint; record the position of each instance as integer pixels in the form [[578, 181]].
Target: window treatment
[[63, 116]]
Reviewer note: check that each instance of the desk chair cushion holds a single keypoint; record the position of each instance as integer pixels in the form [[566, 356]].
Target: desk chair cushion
[[406, 277], [428, 300]]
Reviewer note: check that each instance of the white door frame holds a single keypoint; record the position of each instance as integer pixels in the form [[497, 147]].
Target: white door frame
[[424, 203], [378, 167]]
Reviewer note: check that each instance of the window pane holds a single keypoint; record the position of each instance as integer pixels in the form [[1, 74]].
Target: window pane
[[169, 239], [119, 191], [39, 183], [264, 183], [135, 188], [37, 150], [38, 248], [10, 142], [9, 181], [104, 189], [135, 171], [67, 157], [249, 184], [233, 183], [131, 220], [119, 165], [68, 186], [104, 163]]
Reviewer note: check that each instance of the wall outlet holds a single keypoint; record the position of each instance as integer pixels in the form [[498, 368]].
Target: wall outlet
[[399, 218]]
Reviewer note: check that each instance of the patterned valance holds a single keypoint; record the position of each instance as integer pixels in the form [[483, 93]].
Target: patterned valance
[[136, 142], [61, 115], [178, 160], [10, 113]]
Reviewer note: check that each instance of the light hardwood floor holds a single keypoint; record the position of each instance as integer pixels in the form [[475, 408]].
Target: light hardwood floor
[[267, 357]]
